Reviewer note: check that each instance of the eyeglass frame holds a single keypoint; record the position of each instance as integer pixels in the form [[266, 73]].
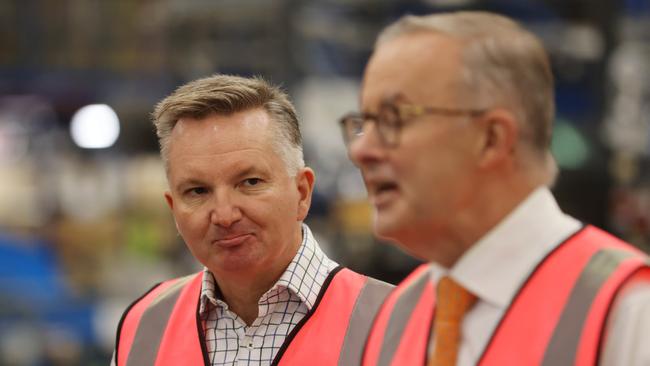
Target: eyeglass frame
[[404, 114]]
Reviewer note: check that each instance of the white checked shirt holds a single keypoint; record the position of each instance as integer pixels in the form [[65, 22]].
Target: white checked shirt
[[230, 341]]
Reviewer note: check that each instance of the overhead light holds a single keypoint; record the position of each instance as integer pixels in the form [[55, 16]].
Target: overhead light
[[95, 126]]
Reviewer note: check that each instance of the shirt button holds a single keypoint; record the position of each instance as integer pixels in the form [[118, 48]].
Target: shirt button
[[248, 342]]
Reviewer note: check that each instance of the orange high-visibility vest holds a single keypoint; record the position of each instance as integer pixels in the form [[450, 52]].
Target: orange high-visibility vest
[[557, 317], [163, 328]]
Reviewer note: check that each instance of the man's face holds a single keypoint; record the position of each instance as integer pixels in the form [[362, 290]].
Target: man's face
[[234, 203], [418, 187]]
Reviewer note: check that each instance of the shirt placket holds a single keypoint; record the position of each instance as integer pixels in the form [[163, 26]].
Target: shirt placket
[[246, 352], [250, 344]]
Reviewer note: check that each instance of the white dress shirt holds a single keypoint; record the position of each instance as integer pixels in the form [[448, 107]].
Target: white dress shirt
[[497, 265], [230, 341]]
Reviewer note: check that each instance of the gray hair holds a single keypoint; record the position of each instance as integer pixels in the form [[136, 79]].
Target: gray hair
[[503, 64], [225, 95]]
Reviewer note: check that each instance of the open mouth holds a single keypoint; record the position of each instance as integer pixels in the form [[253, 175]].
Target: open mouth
[[383, 193], [385, 187]]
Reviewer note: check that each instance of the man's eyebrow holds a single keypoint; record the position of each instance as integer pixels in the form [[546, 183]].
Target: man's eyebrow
[[188, 182], [239, 174], [247, 171], [394, 98], [390, 99]]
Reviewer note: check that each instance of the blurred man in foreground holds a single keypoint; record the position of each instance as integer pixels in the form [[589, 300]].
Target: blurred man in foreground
[[239, 192], [453, 144]]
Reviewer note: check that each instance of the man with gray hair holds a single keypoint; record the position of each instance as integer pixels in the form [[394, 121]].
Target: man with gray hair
[[453, 145], [239, 192]]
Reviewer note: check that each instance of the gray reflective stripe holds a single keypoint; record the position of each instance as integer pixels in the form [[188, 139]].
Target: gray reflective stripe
[[365, 308], [563, 346], [401, 314], [152, 326]]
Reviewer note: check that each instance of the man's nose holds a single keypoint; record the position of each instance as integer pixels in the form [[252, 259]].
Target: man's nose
[[367, 147], [225, 211]]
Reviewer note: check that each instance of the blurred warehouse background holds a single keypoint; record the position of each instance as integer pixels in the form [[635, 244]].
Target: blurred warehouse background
[[84, 228]]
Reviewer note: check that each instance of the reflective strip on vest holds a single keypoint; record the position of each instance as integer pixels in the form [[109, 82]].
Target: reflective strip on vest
[[340, 323], [184, 330], [557, 316], [370, 299], [390, 325], [546, 294], [131, 320], [399, 319], [152, 325], [167, 331], [631, 272], [564, 343]]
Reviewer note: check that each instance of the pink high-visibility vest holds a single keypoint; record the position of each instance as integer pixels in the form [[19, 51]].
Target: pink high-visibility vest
[[163, 327], [557, 317]]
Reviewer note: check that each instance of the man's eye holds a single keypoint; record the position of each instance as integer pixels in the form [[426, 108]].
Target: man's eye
[[197, 191], [252, 182]]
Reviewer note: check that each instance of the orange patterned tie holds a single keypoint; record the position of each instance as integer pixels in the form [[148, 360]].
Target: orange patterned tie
[[452, 303]]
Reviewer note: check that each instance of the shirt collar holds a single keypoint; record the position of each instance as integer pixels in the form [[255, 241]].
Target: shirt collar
[[304, 276], [495, 267], [307, 272]]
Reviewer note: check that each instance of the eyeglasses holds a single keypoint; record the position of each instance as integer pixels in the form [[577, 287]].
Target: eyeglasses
[[391, 118]]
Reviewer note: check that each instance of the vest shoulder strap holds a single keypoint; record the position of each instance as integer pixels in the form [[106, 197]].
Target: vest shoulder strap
[[400, 328], [182, 339], [562, 306], [339, 321], [143, 324]]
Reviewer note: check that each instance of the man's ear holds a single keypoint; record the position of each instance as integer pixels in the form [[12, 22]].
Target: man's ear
[[169, 199], [305, 183], [170, 202], [499, 137]]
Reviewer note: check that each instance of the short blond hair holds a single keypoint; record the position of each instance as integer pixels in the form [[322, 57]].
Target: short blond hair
[[225, 95], [503, 64]]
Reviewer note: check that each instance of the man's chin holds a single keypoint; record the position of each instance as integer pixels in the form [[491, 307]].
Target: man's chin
[[397, 229], [387, 229], [233, 265]]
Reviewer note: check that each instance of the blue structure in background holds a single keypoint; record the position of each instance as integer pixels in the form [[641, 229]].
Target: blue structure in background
[[34, 294]]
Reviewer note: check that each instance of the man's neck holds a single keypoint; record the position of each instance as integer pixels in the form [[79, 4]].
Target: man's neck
[[243, 297], [495, 203]]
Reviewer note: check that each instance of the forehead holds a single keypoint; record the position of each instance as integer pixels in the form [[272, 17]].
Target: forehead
[[248, 124], [217, 140], [424, 67]]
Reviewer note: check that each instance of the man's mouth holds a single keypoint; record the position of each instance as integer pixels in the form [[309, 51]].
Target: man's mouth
[[385, 187], [383, 193], [232, 240]]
